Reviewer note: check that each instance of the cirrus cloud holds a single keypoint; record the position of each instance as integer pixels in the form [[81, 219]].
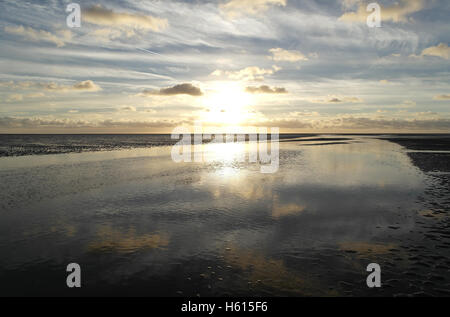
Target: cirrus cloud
[[248, 73], [238, 8], [40, 35]]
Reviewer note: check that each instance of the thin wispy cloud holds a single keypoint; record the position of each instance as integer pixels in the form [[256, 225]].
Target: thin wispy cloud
[[239, 8], [249, 73], [34, 35]]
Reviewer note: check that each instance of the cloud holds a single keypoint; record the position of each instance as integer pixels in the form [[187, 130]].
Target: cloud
[[17, 85], [106, 34], [398, 12], [238, 8], [63, 123], [127, 108], [442, 50], [302, 121], [87, 85], [14, 97], [304, 113], [282, 55], [40, 35], [337, 99], [349, 3], [100, 15], [21, 97], [35, 95], [425, 113], [442, 97], [248, 73], [266, 90], [384, 82], [353, 123], [395, 124], [182, 89]]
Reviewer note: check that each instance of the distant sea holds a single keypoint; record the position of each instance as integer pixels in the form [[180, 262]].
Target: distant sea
[[32, 144], [40, 144]]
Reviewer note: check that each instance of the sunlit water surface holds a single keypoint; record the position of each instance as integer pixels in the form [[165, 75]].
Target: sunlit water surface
[[140, 224]]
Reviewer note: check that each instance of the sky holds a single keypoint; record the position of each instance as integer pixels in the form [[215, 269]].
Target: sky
[[151, 66]]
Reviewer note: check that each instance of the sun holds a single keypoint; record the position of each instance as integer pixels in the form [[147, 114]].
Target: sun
[[226, 104]]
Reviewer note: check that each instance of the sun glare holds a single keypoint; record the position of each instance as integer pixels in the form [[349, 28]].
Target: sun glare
[[227, 104]]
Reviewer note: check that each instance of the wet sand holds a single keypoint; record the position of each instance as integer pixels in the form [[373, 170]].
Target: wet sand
[[428, 246], [427, 153], [140, 224]]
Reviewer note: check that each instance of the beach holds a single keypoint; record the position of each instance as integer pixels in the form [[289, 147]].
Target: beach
[[140, 224]]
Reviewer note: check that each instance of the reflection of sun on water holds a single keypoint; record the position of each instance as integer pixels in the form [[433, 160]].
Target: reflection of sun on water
[[226, 152], [226, 157], [227, 105]]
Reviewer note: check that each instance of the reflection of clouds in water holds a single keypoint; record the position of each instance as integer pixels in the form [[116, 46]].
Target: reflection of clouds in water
[[280, 209], [251, 188], [319, 197], [377, 164], [59, 226], [242, 183], [338, 182], [367, 248], [369, 163], [273, 274], [109, 238], [62, 227], [432, 214]]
